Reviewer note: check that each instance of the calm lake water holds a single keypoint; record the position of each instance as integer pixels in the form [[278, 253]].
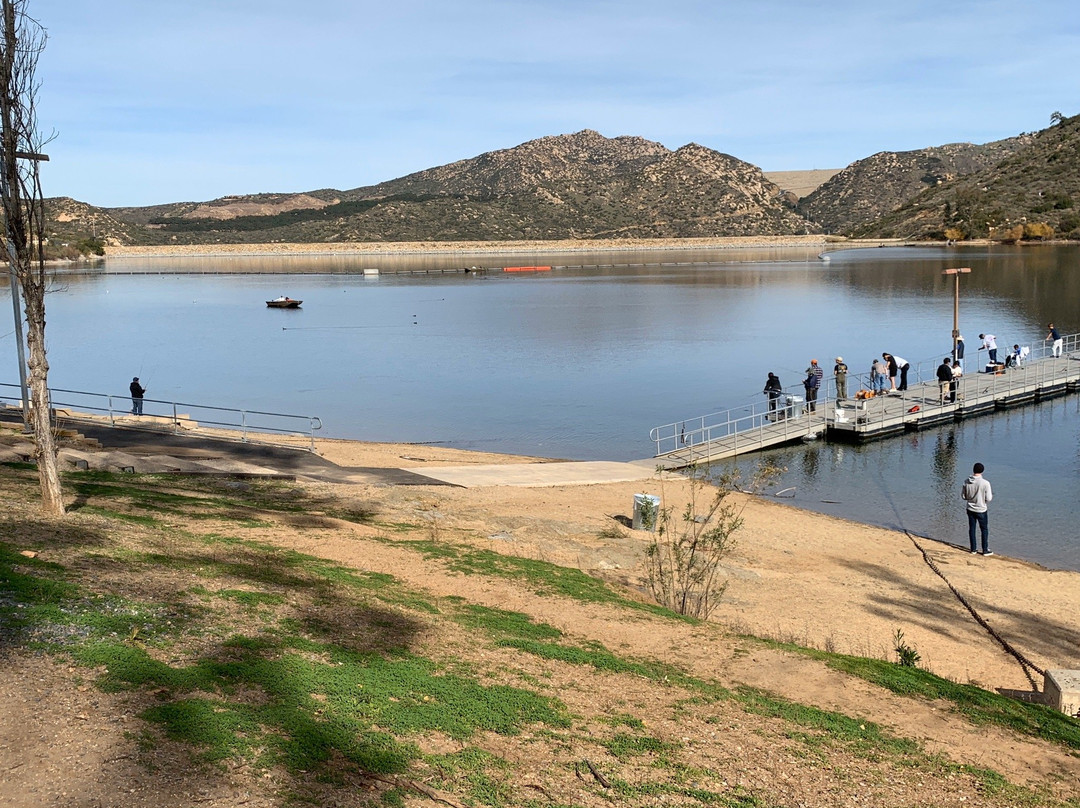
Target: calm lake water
[[581, 362]]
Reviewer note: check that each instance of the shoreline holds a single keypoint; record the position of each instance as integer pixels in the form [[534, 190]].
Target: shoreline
[[566, 246], [345, 451]]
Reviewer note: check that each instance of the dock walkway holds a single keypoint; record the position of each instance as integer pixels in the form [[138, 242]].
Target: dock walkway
[[750, 429]]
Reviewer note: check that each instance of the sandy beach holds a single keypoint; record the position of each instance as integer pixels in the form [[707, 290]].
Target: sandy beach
[[795, 576]]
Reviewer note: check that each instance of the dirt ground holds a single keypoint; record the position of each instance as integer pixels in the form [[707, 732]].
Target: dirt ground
[[794, 576]]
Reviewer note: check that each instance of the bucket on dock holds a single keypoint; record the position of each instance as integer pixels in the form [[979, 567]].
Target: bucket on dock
[[646, 512], [793, 406]]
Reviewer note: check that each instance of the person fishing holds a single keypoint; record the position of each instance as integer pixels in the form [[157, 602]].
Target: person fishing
[[812, 383], [773, 390], [137, 393]]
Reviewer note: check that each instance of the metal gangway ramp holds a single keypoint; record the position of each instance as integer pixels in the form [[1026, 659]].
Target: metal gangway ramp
[[738, 431]]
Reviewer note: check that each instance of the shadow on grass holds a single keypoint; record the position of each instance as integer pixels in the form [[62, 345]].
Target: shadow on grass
[[252, 655]]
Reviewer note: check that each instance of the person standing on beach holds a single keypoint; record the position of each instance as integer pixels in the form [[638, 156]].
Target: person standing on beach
[[773, 391], [1056, 337], [812, 383], [840, 373], [137, 393], [989, 342], [977, 494]]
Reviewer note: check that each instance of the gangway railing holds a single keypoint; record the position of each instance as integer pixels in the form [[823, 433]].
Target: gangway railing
[[175, 417], [749, 427]]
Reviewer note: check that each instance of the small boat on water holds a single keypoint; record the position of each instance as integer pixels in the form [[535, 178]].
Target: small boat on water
[[283, 303]]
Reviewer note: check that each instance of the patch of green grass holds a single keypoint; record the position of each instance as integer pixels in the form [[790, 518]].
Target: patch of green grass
[[108, 513], [546, 578], [624, 720], [981, 707], [251, 599], [736, 797], [860, 737], [396, 527], [623, 745], [473, 771], [597, 656], [864, 738], [261, 563], [361, 516], [44, 609], [316, 699], [19, 466], [501, 624], [208, 497]]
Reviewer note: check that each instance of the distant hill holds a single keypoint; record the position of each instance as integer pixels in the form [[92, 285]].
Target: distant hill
[[873, 187], [582, 185], [1038, 184], [801, 183], [587, 186]]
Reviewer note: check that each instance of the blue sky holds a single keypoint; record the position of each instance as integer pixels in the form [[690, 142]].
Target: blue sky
[[159, 101]]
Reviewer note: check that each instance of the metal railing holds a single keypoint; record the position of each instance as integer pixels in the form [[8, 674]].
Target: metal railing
[[746, 424], [790, 419], [175, 417]]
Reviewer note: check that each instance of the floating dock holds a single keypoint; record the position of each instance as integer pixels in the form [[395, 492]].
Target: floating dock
[[735, 432]]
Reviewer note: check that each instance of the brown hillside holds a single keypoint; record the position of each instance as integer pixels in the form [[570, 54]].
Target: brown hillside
[[1038, 184], [871, 188]]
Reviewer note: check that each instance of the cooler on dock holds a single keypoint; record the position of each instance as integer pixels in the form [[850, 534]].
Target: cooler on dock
[[793, 407]]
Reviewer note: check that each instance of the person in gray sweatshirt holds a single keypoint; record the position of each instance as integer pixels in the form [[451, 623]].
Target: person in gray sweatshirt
[[977, 494]]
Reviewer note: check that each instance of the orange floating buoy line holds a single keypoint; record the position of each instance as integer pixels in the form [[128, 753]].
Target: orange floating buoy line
[[526, 269]]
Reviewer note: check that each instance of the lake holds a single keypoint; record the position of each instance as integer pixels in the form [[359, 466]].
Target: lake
[[582, 361]]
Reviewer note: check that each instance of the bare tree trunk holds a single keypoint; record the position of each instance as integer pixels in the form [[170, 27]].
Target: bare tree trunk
[[20, 189], [52, 497]]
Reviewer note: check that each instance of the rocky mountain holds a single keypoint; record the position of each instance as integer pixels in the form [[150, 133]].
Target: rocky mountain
[[871, 188], [582, 185], [585, 185], [69, 220], [1032, 193]]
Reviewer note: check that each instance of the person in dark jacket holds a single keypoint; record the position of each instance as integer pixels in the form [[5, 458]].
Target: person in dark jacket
[[945, 378], [812, 383], [773, 390], [137, 393]]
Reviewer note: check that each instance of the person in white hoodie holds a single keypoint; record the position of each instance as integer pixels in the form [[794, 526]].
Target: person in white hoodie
[[977, 494]]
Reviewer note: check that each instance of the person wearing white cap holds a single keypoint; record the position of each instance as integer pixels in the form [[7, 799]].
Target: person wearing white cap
[[840, 373]]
